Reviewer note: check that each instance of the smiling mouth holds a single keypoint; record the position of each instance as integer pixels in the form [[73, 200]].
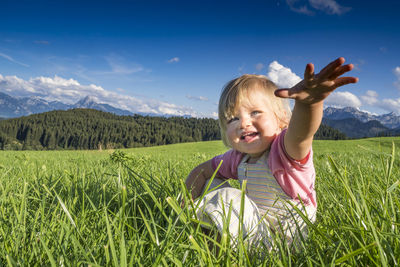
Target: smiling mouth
[[248, 136]]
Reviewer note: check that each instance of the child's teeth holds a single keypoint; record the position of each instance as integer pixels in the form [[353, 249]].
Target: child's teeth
[[248, 136]]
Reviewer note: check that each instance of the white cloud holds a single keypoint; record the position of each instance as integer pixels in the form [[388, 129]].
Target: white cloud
[[343, 99], [397, 73], [303, 9], [13, 60], [259, 66], [241, 69], [119, 65], [198, 98], [391, 105], [282, 76], [370, 98], [330, 7], [357, 65], [174, 60], [70, 91], [383, 49], [42, 42]]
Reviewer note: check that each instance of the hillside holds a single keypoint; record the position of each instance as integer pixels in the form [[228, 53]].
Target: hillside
[[93, 129], [355, 128], [326, 132]]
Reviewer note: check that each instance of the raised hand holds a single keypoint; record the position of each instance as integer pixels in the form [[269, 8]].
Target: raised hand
[[316, 87]]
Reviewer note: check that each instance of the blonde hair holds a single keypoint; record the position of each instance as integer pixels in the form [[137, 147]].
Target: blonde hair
[[237, 89]]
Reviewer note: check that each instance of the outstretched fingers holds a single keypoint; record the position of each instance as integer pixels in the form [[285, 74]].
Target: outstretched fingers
[[345, 80], [284, 93], [316, 87], [331, 68], [340, 71], [309, 72]]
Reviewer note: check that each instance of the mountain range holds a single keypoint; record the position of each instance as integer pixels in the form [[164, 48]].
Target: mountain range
[[389, 120], [358, 124], [11, 107], [350, 121]]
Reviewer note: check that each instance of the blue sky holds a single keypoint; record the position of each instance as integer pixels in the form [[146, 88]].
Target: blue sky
[[173, 57]]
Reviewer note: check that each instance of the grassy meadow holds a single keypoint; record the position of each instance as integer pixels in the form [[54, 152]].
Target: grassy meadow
[[123, 208]]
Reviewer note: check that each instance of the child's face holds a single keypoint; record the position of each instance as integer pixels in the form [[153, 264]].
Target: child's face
[[254, 125]]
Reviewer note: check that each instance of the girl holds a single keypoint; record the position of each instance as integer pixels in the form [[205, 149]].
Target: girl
[[271, 151]]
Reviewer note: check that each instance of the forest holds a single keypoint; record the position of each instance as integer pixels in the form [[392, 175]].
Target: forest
[[93, 129]]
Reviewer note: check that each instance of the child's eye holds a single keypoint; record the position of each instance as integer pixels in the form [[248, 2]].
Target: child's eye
[[232, 119], [255, 112]]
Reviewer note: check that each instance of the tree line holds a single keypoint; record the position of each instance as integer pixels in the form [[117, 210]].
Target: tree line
[[326, 132], [93, 129]]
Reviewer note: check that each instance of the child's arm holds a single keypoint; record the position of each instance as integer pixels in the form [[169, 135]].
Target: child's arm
[[198, 177], [309, 95]]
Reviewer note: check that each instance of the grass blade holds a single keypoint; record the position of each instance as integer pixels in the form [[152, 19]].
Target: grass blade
[[48, 252], [355, 253], [110, 239], [65, 210], [393, 186]]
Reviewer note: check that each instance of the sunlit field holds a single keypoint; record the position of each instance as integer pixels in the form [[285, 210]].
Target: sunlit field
[[123, 208]]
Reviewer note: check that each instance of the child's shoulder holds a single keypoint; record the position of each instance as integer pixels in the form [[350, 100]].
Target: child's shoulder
[[233, 154], [232, 157]]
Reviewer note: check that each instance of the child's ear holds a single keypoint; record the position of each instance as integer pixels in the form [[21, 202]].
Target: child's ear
[[281, 123]]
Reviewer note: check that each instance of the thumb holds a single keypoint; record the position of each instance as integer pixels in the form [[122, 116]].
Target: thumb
[[284, 93]]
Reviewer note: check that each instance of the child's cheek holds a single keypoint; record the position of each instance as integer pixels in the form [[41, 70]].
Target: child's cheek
[[230, 134]]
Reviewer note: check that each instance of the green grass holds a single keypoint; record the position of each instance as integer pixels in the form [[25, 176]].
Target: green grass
[[107, 208]]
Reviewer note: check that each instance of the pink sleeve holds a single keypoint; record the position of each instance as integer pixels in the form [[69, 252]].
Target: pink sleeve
[[295, 177], [231, 160]]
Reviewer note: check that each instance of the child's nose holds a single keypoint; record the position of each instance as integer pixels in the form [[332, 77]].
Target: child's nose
[[244, 122]]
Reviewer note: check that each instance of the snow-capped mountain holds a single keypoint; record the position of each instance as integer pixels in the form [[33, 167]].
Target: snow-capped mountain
[[390, 120], [90, 102], [11, 107], [355, 128]]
